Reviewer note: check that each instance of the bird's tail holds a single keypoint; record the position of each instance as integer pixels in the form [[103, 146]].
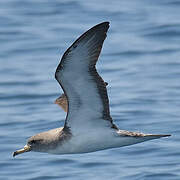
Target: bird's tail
[[142, 135], [147, 137], [155, 136]]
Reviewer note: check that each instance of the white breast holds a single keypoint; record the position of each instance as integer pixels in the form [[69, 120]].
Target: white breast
[[88, 142]]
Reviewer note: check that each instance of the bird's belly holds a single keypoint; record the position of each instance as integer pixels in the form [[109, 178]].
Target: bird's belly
[[91, 142]]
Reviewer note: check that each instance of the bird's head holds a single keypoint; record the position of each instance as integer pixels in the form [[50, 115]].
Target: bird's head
[[42, 142], [33, 144]]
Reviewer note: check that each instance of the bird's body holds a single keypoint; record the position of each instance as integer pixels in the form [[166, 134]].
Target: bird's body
[[86, 142], [88, 126], [61, 141]]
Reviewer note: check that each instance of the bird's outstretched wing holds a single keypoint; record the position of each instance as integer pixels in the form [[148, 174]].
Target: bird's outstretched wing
[[88, 104]]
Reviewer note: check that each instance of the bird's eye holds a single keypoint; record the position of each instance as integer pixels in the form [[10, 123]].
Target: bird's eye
[[32, 142]]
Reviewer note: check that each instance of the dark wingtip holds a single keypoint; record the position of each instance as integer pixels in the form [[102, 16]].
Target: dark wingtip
[[102, 25], [105, 22]]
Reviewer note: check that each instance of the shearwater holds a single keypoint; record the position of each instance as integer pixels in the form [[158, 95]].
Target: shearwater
[[88, 126]]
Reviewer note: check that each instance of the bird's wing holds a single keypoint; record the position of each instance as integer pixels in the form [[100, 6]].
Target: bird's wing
[[62, 101], [88, 104]]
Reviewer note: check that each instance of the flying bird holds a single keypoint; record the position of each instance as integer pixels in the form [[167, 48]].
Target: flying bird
[[88, 125]]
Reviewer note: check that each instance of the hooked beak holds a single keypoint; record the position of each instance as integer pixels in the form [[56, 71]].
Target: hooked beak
[[20, 151]]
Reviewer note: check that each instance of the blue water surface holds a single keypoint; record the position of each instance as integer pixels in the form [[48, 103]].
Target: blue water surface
[[140, 61]]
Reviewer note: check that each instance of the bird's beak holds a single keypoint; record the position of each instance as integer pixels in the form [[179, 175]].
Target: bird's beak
[[55, 102], [20, 151]]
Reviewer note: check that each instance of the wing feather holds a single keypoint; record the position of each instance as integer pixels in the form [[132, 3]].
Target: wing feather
[[88, 104]]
